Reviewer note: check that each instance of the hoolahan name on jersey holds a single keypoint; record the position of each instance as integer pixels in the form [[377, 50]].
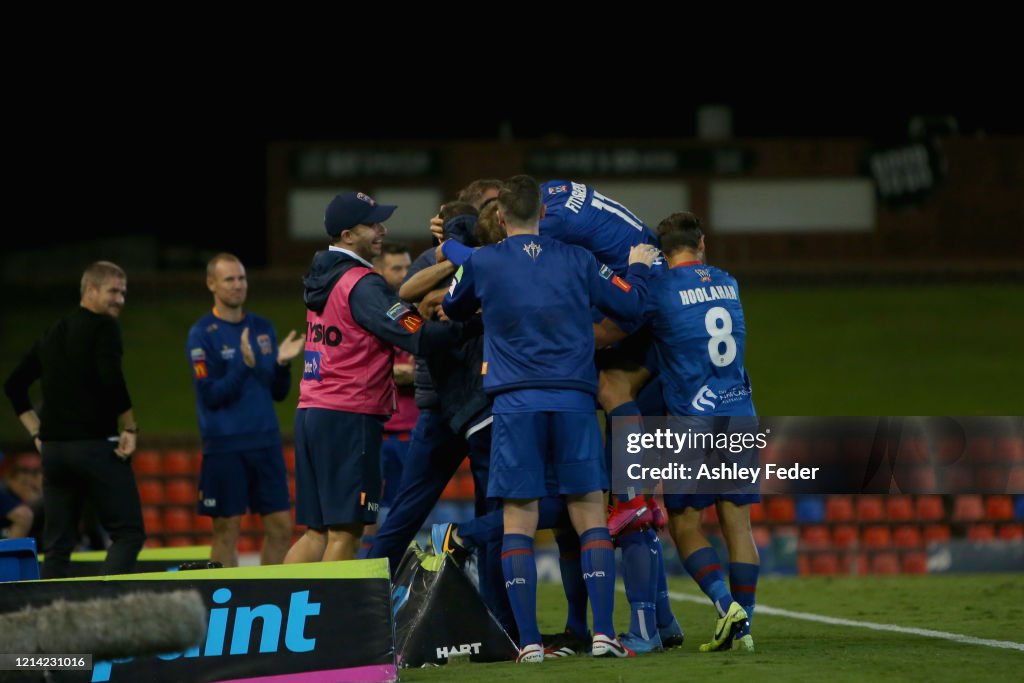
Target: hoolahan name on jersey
[[699, 295]]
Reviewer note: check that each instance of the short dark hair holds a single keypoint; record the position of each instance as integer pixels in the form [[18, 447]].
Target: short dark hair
[[679, 231], [520, 200], [474, 192], [394, 248], [457, 208]]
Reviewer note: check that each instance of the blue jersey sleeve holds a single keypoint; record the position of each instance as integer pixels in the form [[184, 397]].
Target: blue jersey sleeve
[[224, 389], [456, 252], [620, 298], [378, 310], [461, 301]]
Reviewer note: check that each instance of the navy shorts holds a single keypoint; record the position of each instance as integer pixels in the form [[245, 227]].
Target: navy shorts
[[527, 446], [697, 501], [232, 482], [337, 467]]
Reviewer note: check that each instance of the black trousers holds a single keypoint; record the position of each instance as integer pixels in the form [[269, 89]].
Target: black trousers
[[76, 471]]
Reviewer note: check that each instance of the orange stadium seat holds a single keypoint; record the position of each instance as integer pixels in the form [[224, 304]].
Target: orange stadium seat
[[929, 509], [936, 533], [756, 512], [906, 537], [815, 536], [710, 515], [153, 543], [981, 532], [915, 563], [899, 508], [451, 491], [177, 463], [839, 509], [289, 459], [1011, 532], [980, 449], [291, 489], [824, 564], [870, 509], [177, 520], [781, 509], [146, 462], [201, 522], [151, 521], [920, 479], [991, 479], [958, 478], [762, 536], [968, 508], [1010, 450], [181, 492], [247, 544], [999, 507], [151, 492], [885, 563], [179, 541], [876, 536], [844, 535], [913, 450], [950, 449], [1016, 479]]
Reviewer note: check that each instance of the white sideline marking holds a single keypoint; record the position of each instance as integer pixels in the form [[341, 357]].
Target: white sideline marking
[[834, 621]]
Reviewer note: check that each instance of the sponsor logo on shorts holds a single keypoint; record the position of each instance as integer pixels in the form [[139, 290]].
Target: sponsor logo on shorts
[[705, 398]]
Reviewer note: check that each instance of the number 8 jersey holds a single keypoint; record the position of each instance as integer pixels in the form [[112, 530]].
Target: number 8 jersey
[[699, 335]]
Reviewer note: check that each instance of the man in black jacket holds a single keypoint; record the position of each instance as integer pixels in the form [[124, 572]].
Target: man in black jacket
[[86, 430]]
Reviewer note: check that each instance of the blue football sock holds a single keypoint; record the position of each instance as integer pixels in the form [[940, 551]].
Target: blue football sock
[[743, 584], [520, 570], [597, 555], [569, 565], [704, 567], [641, 591], [664, 605]]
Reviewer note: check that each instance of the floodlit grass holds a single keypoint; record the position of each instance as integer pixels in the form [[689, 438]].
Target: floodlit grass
[[984, 606]]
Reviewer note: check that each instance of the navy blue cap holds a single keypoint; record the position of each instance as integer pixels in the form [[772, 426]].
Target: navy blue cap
[[350, 209]]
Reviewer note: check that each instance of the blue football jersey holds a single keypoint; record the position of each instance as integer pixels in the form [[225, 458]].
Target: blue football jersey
[[578, 214], [700, 335]]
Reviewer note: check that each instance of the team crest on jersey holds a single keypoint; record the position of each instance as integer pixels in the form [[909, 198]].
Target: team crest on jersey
[[411, 322], [227, 352], [211, 328], [199, 369], [532, 250], [605, 272], [622, 284], [197, 354], [264, 341], [704, 275], [397, 311], [555, 189], [705, 398]]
